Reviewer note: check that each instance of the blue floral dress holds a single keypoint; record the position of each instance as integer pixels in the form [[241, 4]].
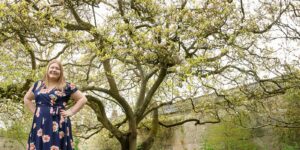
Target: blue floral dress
[[51, 131]]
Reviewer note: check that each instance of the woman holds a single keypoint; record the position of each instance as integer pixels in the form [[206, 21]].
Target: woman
[[51, 127]]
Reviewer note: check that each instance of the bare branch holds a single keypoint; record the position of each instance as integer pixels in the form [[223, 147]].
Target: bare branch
[[29, 49], [267, 28], [56, 56], [197, 122]]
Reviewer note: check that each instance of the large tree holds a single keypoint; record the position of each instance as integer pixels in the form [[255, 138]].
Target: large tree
[[143, 54]]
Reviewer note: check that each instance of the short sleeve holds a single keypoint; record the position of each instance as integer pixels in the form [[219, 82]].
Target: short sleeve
[[34, 86], [71, 88]]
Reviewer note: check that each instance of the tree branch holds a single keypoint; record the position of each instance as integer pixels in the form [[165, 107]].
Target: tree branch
[[197, 122], [141, 109], [267, 28], [98, 107], [148, 142]]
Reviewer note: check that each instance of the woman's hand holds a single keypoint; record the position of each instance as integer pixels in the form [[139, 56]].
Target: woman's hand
[[80, 101], [66, 113]]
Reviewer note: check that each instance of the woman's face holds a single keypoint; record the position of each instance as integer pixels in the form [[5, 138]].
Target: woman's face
[[54, 71]]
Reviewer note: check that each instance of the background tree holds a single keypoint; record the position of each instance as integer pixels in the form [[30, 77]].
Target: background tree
[[148, 54]]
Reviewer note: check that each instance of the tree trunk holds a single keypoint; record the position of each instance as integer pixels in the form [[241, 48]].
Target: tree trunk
[[125, 144], [148, 142], [132, 141], [129, 143]]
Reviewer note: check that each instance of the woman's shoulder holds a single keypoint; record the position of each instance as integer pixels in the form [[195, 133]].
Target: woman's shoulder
[[38, 82], [71, 87], [70, 84]]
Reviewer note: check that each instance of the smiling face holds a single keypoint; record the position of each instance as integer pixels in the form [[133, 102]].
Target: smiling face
[[54, 71], [55, 74]]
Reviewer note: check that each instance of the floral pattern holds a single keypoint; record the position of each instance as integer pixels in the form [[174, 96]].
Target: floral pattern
[[37, 113], [54, 147], [39, 132], [32, 146], [46, 138], [72, 86], [51, 131], [55, 126], [53, 98], [59, 93], [61, 134]]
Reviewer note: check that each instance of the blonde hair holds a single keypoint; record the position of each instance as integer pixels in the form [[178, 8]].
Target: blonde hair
[[61, 82]]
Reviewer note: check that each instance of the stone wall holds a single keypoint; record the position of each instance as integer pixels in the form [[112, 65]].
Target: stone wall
[[185, 137]]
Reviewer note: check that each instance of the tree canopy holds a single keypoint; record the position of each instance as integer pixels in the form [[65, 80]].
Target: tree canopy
[[140, 55]]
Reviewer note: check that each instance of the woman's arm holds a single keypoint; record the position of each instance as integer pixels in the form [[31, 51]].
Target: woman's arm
[[29, 96], [80, 101]]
